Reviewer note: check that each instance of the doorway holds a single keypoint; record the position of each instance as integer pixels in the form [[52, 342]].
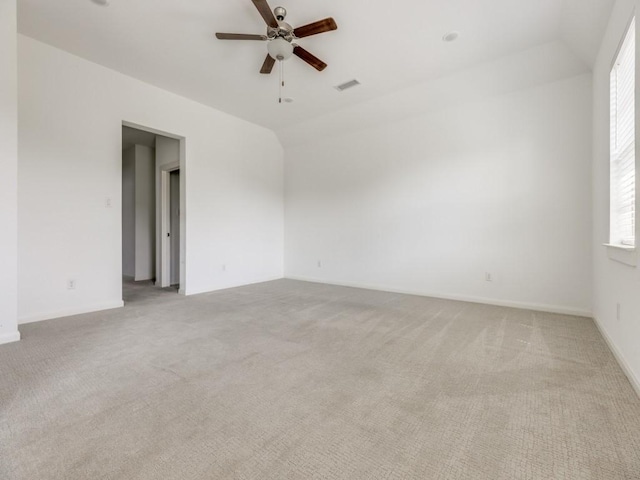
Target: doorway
[[152, 212]]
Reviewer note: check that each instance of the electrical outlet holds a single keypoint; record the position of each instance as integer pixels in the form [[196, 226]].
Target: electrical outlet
[[618, 311], [71, 284], [488, 277], [107, 202]]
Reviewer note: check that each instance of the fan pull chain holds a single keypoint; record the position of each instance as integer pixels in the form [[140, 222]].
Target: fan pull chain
[[281, 80]]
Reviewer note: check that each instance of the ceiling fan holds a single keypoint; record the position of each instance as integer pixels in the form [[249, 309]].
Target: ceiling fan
[[281, 36]]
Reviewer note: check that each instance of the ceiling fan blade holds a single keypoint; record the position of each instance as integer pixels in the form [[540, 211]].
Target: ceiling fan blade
[[266, 12], [268, 64], [239, 36], [312, 60], [315, 28]]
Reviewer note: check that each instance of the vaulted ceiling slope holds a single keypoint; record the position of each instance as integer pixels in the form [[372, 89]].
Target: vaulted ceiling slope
[[387, 46]]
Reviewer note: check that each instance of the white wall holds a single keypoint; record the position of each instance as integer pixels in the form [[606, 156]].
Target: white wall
[[167, 151], [540, 65], [233, 197], [9, 172], [129, 212], [139, 213], [145, 257], [429, 204], [614, 282]]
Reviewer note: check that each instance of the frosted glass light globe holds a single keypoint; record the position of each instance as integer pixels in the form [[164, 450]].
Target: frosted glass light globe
[[280, 49]]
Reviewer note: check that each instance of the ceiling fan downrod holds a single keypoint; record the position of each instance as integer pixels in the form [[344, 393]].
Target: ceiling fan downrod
[[280, 13]]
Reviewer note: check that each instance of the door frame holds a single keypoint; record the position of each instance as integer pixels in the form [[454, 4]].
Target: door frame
[[163, 277], [181, 164]]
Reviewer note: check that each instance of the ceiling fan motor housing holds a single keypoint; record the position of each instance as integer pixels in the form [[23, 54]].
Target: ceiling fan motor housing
[[284, 30]]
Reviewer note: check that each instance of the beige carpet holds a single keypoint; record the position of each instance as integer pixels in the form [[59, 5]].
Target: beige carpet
[[292, 380]]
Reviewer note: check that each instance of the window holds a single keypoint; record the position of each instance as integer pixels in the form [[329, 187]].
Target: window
[[623, 149]]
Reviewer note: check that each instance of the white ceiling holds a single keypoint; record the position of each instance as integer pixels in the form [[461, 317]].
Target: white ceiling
[[387, 46]]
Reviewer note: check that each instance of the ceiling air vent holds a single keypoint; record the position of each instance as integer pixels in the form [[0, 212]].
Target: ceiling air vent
[[346, 85]]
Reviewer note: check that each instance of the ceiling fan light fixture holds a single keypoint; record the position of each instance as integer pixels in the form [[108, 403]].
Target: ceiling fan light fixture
[[280, 49]]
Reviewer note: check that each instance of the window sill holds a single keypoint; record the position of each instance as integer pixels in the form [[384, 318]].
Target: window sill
[[626, 248], [623, 254]]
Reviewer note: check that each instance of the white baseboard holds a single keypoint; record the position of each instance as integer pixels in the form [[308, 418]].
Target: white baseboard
[[626, 368], [9, 337], [69, 312], [225, 287], [575, 312]]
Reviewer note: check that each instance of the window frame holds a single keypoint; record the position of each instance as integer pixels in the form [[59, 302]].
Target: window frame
[[615, 238]]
